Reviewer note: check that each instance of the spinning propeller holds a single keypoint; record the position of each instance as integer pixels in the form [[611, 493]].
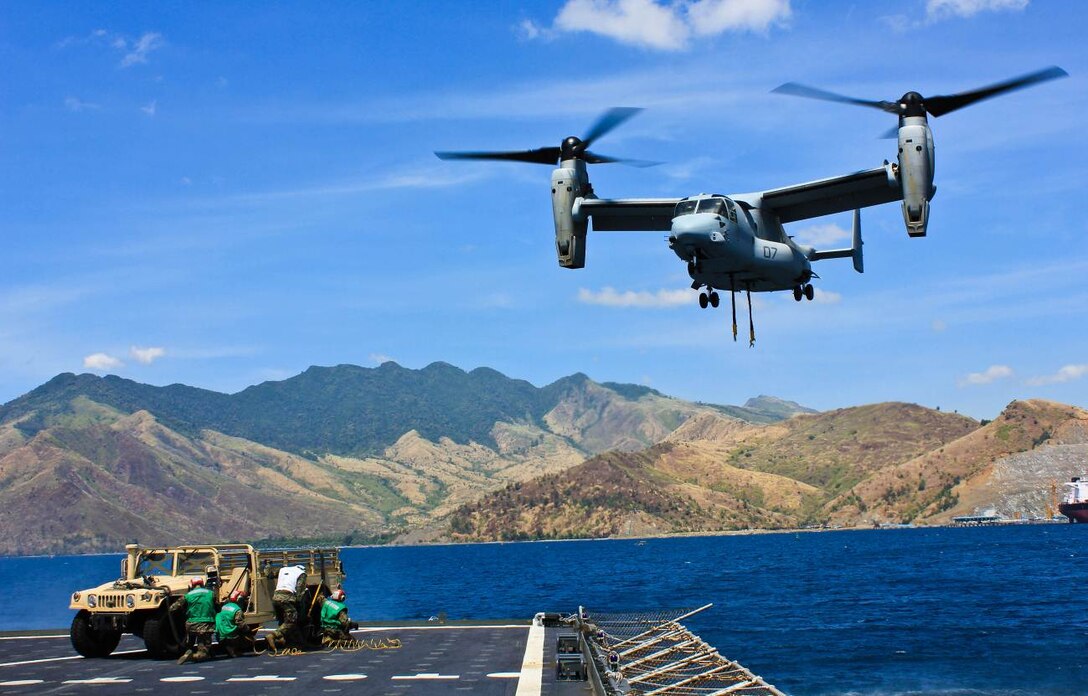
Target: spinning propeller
[[571, 148], [914, 104]]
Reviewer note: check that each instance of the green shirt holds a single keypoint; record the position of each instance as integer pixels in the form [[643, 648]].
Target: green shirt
[[330, 613], [200, 606], [226, 621]]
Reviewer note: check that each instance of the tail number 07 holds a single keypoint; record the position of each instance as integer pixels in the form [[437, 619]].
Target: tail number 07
[[769, 252]]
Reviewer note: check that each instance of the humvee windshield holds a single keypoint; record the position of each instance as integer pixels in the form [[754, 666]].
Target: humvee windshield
[[195, 563], [155, 563]]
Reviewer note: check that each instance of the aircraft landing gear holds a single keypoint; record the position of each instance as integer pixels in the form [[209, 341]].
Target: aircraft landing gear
[[709, 298], [704, 301], [805, 291]]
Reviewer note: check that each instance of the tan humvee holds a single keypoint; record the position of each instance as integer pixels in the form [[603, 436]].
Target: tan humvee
[[153, 578]]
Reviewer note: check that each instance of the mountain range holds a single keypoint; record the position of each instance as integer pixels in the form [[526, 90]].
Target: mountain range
[[357, 454], [88, 463]]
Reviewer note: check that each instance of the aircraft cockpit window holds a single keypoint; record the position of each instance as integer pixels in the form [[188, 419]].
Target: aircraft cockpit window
[[713, 206], [685, 208]]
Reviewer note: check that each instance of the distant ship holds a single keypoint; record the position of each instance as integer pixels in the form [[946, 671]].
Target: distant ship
[[1074, 503]]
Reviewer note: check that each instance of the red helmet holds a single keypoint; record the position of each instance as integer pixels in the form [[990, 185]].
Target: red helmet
[[338, 595], [196, 582], [238, 597]]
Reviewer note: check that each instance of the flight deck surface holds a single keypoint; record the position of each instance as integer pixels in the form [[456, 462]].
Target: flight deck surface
[[431, 659]]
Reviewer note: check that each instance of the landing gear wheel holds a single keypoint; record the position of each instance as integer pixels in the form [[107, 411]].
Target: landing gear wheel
[[714, 299], [703, 300], [809, 293], [90, 641], [797, 293]]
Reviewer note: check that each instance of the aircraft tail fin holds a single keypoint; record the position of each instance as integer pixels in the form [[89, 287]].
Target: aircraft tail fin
[[854, 252]]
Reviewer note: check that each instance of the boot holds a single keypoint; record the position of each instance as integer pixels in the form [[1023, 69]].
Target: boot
[[271, 641], [185, 657]]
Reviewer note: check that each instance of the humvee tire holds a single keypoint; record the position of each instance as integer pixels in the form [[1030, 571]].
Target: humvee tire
[[89, 641], [159, 637]]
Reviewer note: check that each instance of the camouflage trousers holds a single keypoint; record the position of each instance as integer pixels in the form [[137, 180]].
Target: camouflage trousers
[[285, 604], [200, 639], [237, 645]]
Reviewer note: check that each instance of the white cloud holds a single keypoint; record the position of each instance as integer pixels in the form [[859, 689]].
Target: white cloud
[[820, 236], [939, 9], [666, 27], [712, 17], [146, 355], [1066, 374], [77, 104], [938, 326], [140, 49], [610, 297], [529, 30], [638, 22], [151, 107], [991, 374], [379, 358], [826, 297], [101, 362]]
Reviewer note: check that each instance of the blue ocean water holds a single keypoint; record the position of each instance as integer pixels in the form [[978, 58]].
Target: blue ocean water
[[996, 610]]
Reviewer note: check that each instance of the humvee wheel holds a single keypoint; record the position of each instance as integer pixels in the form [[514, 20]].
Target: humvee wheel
[[89, 641], [159, 636]]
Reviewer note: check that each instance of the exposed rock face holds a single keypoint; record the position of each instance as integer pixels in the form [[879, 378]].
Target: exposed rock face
[[872, 464]]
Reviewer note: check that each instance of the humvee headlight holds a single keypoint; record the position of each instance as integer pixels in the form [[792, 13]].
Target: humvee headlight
[[92, 601], [145, 597], [130, 601], [75, 597]]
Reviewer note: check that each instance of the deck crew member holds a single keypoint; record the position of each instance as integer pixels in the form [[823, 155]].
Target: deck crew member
[[230, 623], [335, 623], [199, 607], [290, 582]]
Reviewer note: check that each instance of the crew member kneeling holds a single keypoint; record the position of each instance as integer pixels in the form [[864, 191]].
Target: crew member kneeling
[[199, 607], [230, 623], [335, 623]]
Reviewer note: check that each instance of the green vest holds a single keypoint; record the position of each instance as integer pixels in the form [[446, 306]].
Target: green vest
[[225, 624], [200, 606], [330, 611]]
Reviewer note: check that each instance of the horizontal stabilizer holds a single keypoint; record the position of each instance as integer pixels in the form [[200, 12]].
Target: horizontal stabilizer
[[854, 252]]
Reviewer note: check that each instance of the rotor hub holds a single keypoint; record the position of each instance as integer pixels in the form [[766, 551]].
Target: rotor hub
[[572, 148], [912, 104]]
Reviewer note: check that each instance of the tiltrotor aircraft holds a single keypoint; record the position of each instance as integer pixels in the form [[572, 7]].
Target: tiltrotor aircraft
[[737, 242]]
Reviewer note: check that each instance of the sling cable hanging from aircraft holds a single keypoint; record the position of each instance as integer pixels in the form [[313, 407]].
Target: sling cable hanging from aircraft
[[737, 242]]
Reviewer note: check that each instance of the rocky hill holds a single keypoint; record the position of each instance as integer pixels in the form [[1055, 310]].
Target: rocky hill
[[884, 463], [89, 463]]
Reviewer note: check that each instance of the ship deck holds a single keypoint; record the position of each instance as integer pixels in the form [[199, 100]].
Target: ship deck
[[498, 658]]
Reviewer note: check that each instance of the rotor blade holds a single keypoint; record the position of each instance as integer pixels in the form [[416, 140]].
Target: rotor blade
[[609, 120], [941, 105], [798, 90], [544, 155], [592, 158], [891, 133]]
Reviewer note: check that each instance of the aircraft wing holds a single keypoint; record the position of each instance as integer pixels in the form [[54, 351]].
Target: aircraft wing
[[630, 214], [827, 196]]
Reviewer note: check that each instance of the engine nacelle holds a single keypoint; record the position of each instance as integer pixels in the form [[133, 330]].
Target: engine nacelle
[[569, 182], [916, 172]]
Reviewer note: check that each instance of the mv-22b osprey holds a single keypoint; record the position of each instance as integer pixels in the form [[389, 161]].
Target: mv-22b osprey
[[737, 242]]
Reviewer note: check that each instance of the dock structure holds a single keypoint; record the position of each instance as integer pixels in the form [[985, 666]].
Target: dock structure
[[653, 653]]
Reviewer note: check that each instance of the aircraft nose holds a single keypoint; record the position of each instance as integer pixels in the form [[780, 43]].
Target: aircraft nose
[[697, 229]]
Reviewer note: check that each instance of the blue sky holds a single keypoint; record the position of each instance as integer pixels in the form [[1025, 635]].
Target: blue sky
[[224, 194]]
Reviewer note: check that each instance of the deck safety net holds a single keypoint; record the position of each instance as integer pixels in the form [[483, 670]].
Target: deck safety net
[[654, 653]]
